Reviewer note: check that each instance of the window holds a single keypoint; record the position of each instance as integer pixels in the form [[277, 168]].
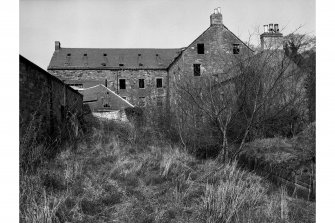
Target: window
[[122, 83], [236, 48], [141, 83], [141, 101], [159, 82], [196, 69], [125, 98], [201, 48], [121, 64], [106, 105], [85, 54], [105, 54], [159, 101]]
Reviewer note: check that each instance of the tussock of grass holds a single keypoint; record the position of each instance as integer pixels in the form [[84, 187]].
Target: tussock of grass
[[108, 179]]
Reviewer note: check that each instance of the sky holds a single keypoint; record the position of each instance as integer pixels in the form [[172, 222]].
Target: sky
[[148, 23]]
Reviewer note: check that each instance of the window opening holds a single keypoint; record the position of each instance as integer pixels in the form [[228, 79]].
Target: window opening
[[159, 82], [141, 83], [141, 101], [196, 69], [201, 48], [159, 101], [236, 48], [122, 83]]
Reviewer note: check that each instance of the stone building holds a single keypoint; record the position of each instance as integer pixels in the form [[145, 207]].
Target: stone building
[[148, 76], [45, 101]]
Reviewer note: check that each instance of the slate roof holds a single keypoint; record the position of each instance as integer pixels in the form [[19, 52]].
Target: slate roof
[[91, 95], [113, 58]]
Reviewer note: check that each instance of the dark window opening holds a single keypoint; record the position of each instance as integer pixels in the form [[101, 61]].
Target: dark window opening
[[121, 64], [139, 54], [106, 105], [85, 54], [159, 82], [125, 98], [105, 54], [103, 64], [236, 48], [141, 83], [122, 83], [201, 48], [140, 64], [69, 54], [196, 69]]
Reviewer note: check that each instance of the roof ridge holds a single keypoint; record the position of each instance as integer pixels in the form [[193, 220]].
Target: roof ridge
[[89, 48]]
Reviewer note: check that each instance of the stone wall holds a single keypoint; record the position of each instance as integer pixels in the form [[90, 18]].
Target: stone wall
[[218, 60], [46, 103], [132, 93]]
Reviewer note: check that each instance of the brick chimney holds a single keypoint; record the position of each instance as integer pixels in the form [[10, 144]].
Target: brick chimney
[[271, 39], [216, 17], [57, 45]]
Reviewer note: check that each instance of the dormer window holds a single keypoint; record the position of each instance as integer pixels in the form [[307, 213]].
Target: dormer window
[[236, 48], [201, 48], [121, 64]]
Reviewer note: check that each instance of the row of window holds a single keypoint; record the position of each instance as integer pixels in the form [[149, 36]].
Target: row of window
[[159, 83], [201, 48]]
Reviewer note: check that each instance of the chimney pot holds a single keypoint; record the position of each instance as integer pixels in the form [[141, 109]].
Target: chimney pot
[[57, 45], [266, 28], [219, 10], [276, 28]]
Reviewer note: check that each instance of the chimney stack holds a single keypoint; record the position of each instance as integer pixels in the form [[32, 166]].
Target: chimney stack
[[271, 39], [216, 17], [57, 45]]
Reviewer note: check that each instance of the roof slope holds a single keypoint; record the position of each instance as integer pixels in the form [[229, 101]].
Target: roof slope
[[92, 94], [112, 58]]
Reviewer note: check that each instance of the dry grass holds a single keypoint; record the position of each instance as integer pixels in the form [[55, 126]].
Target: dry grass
[[109, 179]]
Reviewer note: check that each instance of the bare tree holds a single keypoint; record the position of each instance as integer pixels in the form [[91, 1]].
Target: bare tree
[[254, 87]]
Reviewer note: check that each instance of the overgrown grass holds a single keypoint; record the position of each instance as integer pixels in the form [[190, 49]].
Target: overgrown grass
[[122, 174]]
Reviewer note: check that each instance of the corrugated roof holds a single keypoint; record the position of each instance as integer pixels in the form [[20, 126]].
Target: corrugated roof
[[112, 58]]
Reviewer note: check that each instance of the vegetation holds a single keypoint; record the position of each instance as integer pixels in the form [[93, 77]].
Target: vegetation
[[120, 173], [181, 166]]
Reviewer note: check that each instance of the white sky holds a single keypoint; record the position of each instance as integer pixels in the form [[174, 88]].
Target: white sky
[[147, 23]]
